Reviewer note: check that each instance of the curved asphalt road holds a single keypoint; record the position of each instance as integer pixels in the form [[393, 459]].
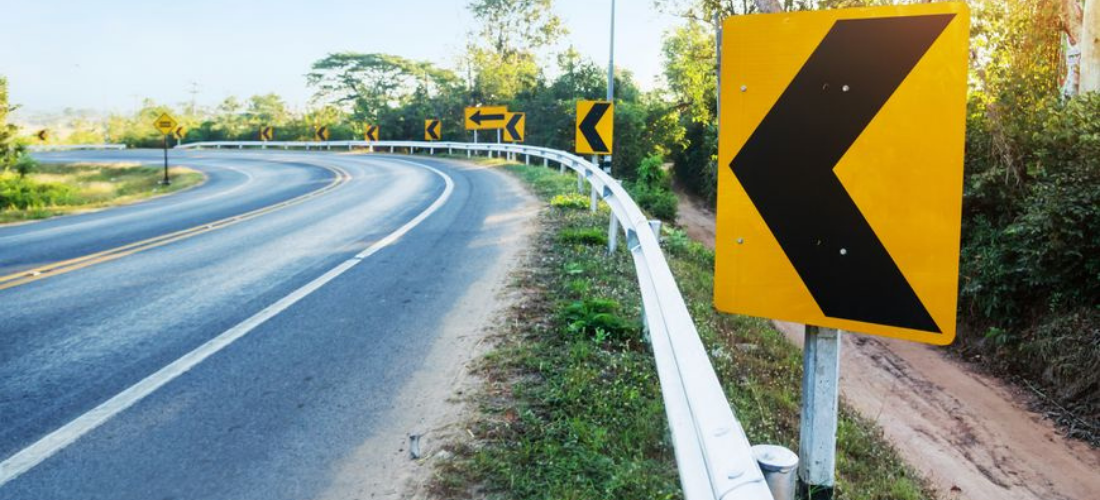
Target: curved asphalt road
[[268, 416]]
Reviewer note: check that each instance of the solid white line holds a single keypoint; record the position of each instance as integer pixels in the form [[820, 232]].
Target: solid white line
[[44, 448]]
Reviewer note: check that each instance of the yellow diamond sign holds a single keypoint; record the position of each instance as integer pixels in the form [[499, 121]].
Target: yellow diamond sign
[[165, 124]]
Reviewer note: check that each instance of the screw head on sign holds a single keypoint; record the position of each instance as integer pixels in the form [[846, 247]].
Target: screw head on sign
[[744, 88]]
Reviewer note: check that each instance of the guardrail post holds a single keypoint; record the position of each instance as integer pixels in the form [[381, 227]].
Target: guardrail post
[[468, 153], [580, 182], [593, 198], [655, 225], [449, 150], [612, 234], [817, 430], [527, 159], [545, 162]]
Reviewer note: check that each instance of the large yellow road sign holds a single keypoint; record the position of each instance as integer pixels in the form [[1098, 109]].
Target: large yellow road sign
[[840, 168], [370, 132], [165, 124], [432, 130], [595, 127], [515, 127], [485, 117]]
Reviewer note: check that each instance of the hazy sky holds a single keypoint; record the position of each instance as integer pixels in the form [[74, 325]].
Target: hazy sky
[[108, 54]]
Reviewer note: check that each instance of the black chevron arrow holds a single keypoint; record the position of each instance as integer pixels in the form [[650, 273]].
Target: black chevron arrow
[[433, 129], [588, 126], [786, 168], [372, 132], [477, 117], [511, 126]]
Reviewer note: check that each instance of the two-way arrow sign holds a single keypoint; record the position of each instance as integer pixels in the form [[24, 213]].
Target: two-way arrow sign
[[370, 132], [431, 129], [840, 188], [595, 127]]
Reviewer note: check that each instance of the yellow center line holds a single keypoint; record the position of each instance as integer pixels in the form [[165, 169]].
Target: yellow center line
[[65, 266]]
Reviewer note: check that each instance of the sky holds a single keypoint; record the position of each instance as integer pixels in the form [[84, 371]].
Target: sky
[[107, 55]]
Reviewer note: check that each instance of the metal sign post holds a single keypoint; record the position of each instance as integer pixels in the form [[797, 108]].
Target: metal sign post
[[820, 395]]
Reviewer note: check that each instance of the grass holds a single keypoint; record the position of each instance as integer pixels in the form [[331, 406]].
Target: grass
[[58, 189], [571, 407]]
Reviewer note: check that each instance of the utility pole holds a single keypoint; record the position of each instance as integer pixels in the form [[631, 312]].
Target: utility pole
[[611, 70], [194, 92]]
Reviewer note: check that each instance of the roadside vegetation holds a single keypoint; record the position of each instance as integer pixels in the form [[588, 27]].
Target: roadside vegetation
[[1030, 263], [572, 407], [48, 190]]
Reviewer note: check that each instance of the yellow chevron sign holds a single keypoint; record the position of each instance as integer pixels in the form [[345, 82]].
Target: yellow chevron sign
[[840, 168], [432, 130], [267, 133], [370, 132], [321, 133]]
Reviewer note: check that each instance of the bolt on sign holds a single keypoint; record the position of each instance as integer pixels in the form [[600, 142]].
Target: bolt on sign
[[165, 124], [321, 133], [595, 127], [515, 127], [841, 167], [267, 133], [370, 132], [485, 117], [431, 129]]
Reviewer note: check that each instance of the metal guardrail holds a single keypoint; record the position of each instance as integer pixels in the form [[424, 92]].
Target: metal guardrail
[[713, 455], [73, 147]]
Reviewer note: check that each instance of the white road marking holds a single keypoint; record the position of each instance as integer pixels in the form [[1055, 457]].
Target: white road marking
[[44, 448]]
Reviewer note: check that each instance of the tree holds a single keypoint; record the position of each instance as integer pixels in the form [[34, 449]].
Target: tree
[[502, 54], [266, 110], [367, 85]]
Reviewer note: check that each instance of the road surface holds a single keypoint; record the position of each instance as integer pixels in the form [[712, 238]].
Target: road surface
[[248, 353]]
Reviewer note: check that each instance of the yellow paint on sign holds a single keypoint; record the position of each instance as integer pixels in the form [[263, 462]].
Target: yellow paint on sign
[[903, 171], [485, 117], [595, 130], [515, 127], [165, 123]]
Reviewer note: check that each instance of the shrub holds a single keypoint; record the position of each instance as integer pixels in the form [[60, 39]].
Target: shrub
[[20, 193], [584, 236], [597, 317], [571, 200]]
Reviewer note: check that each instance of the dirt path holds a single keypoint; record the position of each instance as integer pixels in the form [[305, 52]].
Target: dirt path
[[971, 435]]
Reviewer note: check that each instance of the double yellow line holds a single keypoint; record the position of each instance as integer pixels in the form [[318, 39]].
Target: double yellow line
[[66, 266]]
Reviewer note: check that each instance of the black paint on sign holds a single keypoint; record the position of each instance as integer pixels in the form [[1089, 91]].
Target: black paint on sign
[[786, 168]]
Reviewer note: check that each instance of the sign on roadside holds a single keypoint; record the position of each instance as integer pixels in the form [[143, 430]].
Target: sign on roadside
[[370, 132], [840, 168], [267, 133], [595, 127], [179, 133], [321, 133], [165, 124], [485, 117], [43, 134], [431, 129], [515, 127]]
